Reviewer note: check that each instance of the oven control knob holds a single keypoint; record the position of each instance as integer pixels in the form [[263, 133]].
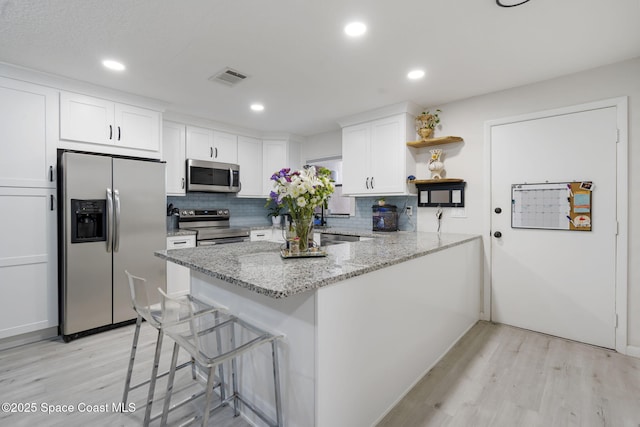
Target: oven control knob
[[192, 213], [184, 213], [225, 212]]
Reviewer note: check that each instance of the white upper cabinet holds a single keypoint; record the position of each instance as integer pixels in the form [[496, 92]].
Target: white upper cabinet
[[208, 144], [376, 160], [278, 154], [28, 129], [173, 152], [250, 161], [99, 121]]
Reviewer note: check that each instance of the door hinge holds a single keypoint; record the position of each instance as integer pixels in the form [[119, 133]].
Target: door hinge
[[616, 320], [617, 228], [617, 135]]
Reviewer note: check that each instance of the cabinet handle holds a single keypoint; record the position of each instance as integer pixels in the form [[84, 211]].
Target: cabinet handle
[[372, 183], [211, 152], [118, 133], [367, 183], [216, 152], [183, 242], [110, 132], [183, 183], [51, 173], [51, 198]]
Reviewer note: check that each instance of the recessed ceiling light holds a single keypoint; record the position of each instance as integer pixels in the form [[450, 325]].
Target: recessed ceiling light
[[415, 74], [113, 65], [355, 29], [257, 107]]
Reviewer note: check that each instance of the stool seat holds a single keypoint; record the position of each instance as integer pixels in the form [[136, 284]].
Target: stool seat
[[212, 339]]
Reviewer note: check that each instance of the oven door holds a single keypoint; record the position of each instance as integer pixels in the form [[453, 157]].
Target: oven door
[[222, 241], [212, 177]]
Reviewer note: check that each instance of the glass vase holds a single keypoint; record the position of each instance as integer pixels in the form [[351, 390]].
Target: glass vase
[[303, 227]]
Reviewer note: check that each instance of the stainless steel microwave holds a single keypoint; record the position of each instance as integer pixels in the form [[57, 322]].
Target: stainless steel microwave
[[212, 177]]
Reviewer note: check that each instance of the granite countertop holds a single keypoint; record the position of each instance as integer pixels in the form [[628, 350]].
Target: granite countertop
[[257, 266]]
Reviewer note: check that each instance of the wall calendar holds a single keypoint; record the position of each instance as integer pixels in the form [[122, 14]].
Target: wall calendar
[[555, 206]]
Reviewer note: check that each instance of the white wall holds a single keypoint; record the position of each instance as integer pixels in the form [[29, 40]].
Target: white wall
[[322, 145], [466, 118]]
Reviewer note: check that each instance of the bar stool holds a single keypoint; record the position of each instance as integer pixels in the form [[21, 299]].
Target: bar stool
[[153, 314], [213, 339]]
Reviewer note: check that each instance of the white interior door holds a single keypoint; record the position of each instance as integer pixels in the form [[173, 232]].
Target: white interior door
[[558, 282]]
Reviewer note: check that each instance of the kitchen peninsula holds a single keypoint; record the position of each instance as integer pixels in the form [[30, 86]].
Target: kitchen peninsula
[[360, 326]]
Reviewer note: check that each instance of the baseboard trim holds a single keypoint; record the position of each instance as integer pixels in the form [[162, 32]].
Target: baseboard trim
[[633, 351], [28, 338]]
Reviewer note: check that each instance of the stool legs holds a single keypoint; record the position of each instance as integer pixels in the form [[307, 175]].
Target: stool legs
[[134, 346], [154, 376], [172, 374], [276, 381]]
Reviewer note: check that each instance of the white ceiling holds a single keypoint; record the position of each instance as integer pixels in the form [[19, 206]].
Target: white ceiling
[[301, 65]]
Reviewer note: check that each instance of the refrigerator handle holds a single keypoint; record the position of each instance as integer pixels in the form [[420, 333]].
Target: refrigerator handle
[[116, 231], [109, 219], [230, 178]]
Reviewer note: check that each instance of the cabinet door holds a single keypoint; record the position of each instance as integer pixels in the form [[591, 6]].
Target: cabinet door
[[250, 161], [274, 158], [225, 147], [199, 143], [86, 119], [28, 261], [137, 128], [28, 129], [179, 277], [355, 159], [387, 156], [173, 152]]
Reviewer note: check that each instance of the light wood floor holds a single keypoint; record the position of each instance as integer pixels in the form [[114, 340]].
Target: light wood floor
[[499, 375], [495, 376]]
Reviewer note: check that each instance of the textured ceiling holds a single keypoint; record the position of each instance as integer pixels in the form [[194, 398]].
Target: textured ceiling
[[301, 66]]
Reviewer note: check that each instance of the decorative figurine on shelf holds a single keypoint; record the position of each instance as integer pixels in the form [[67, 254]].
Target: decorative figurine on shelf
[[436, 166], [426, 123]]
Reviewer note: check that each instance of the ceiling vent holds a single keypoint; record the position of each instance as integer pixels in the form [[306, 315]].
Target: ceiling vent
[[228, 76]]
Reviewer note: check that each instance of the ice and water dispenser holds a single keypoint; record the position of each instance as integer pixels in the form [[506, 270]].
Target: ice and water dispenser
[[88, 221]]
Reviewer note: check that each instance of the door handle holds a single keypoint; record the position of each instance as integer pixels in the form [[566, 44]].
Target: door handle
[[183, 183], [498, 210], [497, 234], [51, 196], [50, 173], [109, 219], [116, 231]]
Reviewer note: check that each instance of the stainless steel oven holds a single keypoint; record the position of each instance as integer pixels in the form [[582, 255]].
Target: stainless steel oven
[[212, 226], [212, 177]]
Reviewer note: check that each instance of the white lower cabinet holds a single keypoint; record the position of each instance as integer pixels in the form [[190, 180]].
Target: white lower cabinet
[[179, 277], [267, 235], [28, 261]]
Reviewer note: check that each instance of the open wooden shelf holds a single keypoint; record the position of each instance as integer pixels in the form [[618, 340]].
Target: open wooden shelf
[[435, 181], [434, 141]]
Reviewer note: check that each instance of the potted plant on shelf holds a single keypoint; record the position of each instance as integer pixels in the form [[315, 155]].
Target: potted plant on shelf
[[426, 123]]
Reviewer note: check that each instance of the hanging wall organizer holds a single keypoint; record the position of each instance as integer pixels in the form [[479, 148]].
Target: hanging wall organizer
[[555, 206]]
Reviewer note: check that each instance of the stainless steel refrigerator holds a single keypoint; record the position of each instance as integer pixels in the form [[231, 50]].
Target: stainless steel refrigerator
[[112, 219]]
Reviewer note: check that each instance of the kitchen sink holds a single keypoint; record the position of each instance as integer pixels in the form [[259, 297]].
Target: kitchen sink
[[336, 239]]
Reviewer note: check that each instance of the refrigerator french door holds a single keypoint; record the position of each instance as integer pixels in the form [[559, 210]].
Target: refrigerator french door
[[113, 220]]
